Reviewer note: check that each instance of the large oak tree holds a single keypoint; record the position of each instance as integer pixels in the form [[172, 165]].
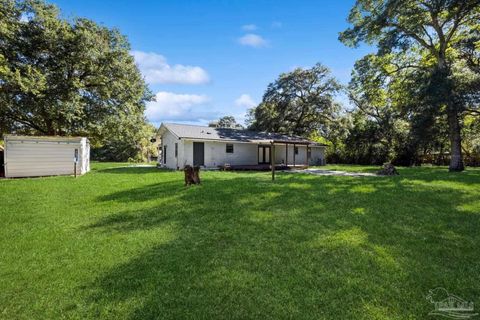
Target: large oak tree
[[300, 102], [426, 35], [66, 77]]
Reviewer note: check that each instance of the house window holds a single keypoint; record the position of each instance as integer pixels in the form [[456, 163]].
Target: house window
[[229, 148], [296, 150], [164, 155], [176, 150]]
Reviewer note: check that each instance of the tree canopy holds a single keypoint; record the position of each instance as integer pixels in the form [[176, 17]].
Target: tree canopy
[[424, 40], [61, 77], [299, 102]]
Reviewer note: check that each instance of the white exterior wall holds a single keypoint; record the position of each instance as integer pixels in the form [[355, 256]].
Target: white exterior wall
[[300, 158], [188, 152], [243, 154], [247, 154], [84, 160], [317, 157], [216, 155], [169, 140], [32, 157]]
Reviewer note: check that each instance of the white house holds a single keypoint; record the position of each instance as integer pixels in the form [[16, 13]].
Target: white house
[[215, 147], [31, 156]]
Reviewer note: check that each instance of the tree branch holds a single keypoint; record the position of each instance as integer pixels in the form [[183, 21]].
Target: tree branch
[[473, 111], [28, 123], [428, 35], [415, 36], [438, 29], [406, 66]]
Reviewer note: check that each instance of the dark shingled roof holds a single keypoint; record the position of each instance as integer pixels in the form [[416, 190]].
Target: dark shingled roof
[[186, 131]]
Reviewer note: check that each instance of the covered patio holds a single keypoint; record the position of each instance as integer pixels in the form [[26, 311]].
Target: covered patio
[[299, 161], [278, 155]]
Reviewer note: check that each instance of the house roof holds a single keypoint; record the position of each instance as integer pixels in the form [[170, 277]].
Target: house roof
[[194, 132]]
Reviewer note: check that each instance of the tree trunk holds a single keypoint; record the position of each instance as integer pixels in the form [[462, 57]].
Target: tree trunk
[[456, 158]]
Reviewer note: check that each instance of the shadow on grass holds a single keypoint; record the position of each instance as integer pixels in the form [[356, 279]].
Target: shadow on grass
[[302, 247]]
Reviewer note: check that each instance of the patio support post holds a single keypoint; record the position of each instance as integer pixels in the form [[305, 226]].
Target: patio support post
[[286, 154], [294, 155], [272, 160], [308, 156]]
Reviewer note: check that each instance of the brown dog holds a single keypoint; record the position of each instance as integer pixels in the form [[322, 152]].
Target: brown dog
[[189, 175]]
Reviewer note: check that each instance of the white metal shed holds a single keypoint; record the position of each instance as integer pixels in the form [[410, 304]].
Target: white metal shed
[[32, 156]]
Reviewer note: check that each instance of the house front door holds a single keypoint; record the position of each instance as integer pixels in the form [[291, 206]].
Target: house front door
[[263, 154], [198, 154]]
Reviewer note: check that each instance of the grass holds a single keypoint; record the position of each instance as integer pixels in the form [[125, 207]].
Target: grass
[[134, 243]]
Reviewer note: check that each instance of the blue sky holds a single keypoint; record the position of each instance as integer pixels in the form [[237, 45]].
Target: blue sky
[[207, 59]]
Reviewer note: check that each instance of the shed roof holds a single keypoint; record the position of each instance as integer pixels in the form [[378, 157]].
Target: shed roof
[[186, 131], [13, 137]]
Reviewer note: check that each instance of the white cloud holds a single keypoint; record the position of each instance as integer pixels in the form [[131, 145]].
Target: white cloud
[[156, 70], [253, 40], [171, 106], [245, 101], [249, 27]]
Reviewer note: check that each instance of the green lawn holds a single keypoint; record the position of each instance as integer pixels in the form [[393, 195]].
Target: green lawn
[[134, 243]]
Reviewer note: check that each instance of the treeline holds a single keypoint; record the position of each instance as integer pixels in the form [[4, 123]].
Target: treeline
[[71, 78], [415, 100]]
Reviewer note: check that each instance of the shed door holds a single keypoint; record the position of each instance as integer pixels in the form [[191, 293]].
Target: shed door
[[198, 154]]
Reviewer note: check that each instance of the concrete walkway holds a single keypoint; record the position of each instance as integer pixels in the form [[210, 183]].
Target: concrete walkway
[[324, 172]]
